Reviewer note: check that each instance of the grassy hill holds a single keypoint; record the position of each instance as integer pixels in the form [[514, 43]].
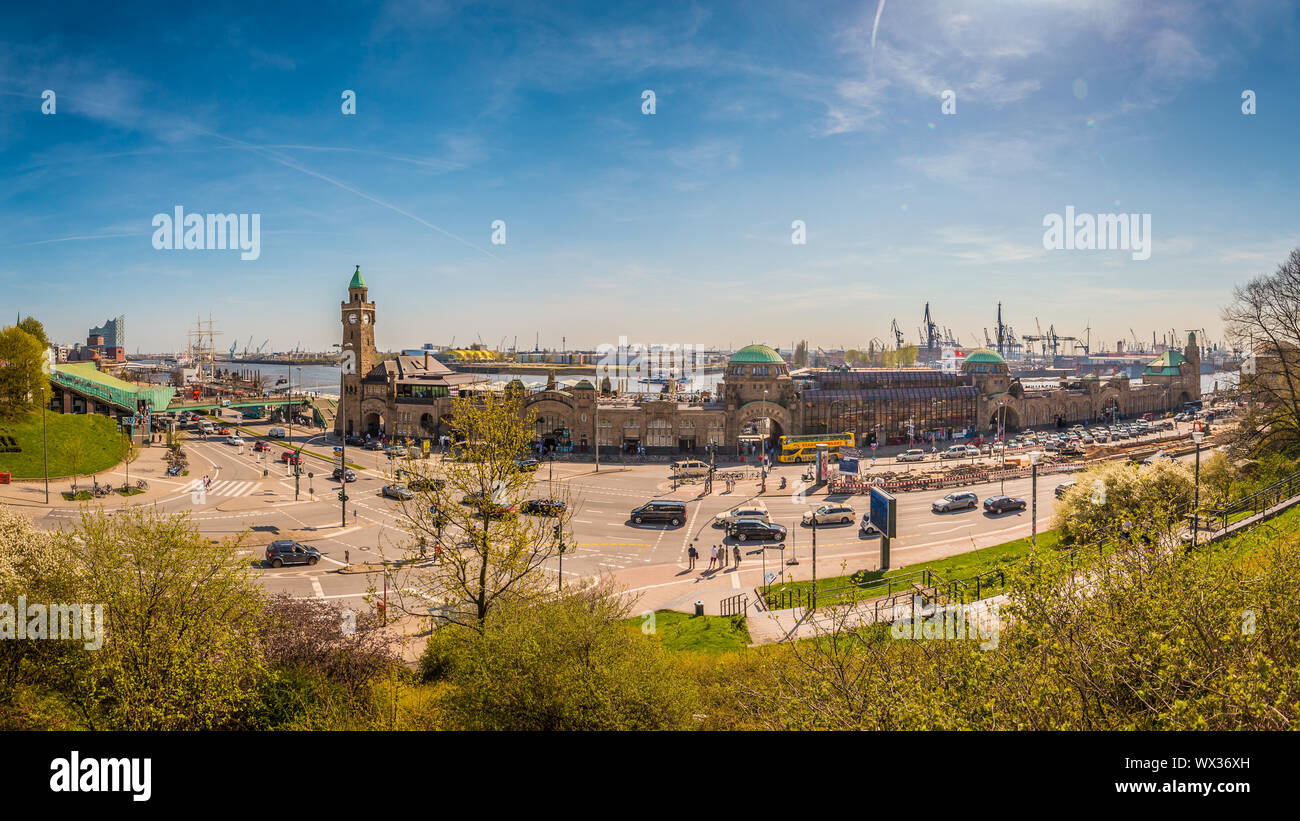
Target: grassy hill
[[102, 445]]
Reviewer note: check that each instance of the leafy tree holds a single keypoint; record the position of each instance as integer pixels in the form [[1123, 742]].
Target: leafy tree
[[23, 383], [33, 326], [563, 664], [1115, 500], [470, 505], [183, 625]]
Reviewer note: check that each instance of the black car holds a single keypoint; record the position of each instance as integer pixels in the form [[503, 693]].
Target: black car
[[674, 513], [527, 464], [743, 530], [1001, 504], [338, 472], [353, 439], [374, 444], [287, 551], [421, 485], [544, 507]]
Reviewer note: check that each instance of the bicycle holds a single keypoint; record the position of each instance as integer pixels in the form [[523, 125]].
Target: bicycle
[[141, 484]]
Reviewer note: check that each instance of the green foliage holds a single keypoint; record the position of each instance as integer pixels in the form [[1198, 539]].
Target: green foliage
[[1114, 500], [23, 383], [558, 665], [681, 632], [183, 624], [1144, 638], [33, 326]]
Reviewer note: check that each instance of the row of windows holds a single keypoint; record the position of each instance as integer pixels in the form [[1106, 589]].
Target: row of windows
[[756, 370]]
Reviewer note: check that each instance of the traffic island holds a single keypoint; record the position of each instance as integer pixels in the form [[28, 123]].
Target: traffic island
[[381, 566]]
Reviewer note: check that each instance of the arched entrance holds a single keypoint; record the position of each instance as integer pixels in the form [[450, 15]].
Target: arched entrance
[[1005, 418], [1110, 410], [373, 423], [428, 427], [1184, 398], [759, 428]]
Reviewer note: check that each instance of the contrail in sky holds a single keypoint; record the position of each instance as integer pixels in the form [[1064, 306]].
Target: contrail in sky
[[874, 27]]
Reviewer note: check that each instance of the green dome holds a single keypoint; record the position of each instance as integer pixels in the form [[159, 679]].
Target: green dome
[[985, 356], [358, 281], [584, 385], [756, 355]]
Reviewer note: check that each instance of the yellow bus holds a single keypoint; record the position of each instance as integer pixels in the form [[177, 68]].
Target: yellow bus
[[804, 448]]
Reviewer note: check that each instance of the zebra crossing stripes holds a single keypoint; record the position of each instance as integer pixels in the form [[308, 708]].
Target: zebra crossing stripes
[[224, 487]]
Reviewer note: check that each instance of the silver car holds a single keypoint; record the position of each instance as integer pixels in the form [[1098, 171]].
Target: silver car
[[960, 500]]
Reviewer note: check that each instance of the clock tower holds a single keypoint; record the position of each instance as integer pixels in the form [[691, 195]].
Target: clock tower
[[358, 351]]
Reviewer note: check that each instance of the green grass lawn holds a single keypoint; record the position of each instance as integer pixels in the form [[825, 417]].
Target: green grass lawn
[[962, 566], [102, 445], [701, 634]]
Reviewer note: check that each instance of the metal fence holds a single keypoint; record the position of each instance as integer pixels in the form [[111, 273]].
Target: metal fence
[[735, 605]]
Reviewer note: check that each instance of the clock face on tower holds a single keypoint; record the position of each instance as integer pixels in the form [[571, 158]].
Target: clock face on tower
[[352, 319], [365, 319]]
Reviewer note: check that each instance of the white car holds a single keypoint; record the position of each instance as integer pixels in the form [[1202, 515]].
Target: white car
[[866, 526], [234, 440], [913, 455]]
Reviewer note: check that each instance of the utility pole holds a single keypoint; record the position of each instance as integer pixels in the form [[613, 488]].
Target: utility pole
[[45, 448], [596, 435], [1033, 491], [1197, 436]]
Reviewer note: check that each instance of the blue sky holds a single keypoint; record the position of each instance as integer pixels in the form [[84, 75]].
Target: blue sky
[[667, 228]]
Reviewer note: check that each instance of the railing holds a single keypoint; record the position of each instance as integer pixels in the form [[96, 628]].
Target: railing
[[735, 605], [1260, 500]]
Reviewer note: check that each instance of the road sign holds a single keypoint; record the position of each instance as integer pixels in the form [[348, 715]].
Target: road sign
[[769, 577], [848, 464]]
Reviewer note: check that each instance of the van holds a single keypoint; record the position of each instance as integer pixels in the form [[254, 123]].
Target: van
[[205, 427], [690, 468], [277, 433], [662, 510]]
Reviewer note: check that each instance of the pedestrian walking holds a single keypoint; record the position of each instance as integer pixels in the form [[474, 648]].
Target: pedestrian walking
[[692, 555], [736, 554], [437, 550], [347, 557]]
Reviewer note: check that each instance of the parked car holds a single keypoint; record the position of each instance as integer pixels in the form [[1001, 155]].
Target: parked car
[[397, 452], [749, 510], [913, 455], [286, 551], [290, 458], [397, 492], [350, 476], [743, 530], [373, 444], [544, 507], [1002, 504], [830, 514], [959, 500], [660, 510], [690, 468]]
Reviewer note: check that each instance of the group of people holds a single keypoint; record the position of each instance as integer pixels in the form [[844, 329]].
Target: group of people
[[717, 557]]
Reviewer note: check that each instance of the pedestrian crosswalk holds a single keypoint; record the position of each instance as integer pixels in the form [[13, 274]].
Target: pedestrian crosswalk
[[222, 487]]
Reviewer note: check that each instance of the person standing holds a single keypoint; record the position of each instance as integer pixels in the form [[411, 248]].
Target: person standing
[[722, 556], [713, 556], [692, 555], [736, 555]]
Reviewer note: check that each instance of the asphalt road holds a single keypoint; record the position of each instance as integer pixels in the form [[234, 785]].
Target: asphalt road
[[253, 492]]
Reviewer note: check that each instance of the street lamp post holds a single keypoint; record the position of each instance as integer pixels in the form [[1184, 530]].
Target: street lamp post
[[45, 449], [1197, 436], [1033, 492]]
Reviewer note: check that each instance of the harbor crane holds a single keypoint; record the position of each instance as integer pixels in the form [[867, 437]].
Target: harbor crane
[[898, 334]]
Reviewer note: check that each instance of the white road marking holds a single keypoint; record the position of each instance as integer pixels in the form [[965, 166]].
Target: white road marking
[[316, 588]]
